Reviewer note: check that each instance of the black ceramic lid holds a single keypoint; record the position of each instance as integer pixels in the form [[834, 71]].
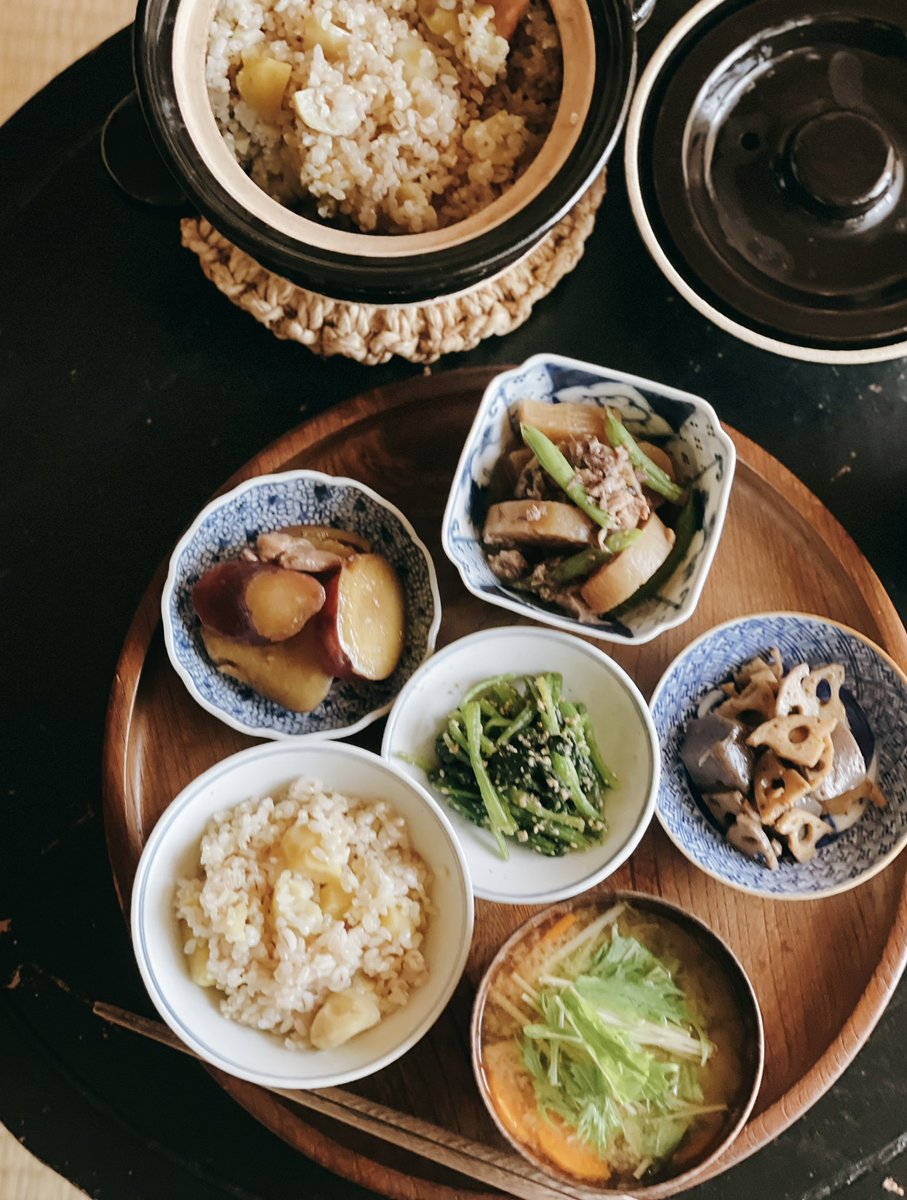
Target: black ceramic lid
[[769, 147]]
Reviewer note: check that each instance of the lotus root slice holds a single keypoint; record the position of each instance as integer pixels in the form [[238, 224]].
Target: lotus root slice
[[803, 831], [776, 787], [833, 676], [754, 705], [800, 740]]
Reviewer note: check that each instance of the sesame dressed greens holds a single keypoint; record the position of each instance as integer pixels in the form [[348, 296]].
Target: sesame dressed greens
[[518, 759]]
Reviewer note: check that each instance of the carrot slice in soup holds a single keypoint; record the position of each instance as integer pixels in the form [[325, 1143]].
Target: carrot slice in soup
[[566, 1150]]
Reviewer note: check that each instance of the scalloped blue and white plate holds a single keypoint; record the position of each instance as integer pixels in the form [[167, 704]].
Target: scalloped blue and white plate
[[270, 502], [686, 425], [879, 687]]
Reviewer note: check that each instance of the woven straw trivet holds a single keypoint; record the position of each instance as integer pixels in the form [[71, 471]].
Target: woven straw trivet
[[373, 333]]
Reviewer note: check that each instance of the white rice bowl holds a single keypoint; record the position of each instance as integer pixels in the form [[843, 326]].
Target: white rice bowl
[[413, 974], [397, 116], [269, 946]]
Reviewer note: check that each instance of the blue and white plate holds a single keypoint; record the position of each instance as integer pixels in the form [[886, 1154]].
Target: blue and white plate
[[686, 425], [232, 522], [879, 687]]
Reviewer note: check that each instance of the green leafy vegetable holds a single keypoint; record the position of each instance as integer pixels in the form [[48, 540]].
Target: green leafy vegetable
[[615, 1048], [519, 760]]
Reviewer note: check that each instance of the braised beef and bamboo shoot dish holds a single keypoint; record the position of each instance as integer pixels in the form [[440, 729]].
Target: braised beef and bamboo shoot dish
[[612, 1045], [775, 759], [586, 517]]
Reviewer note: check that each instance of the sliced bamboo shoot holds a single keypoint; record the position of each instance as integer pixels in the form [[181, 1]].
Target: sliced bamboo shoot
[[562, 421], [537, 523], [617, 581]]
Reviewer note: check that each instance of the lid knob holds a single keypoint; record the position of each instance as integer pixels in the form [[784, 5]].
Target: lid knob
[[842, 163]]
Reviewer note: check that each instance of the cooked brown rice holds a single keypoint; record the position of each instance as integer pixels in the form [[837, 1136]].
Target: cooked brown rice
[[398, 115], [261, 932]]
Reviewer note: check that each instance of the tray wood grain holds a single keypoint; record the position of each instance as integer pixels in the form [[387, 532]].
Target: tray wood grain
[[823, 970]]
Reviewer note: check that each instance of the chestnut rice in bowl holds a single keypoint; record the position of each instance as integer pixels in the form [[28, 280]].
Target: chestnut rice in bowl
[[385, 151], [388, 116], [301, 914]]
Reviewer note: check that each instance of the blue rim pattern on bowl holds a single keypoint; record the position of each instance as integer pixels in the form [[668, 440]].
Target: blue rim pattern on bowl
[[139, 918], [232, 522], [879, 687], [686, 425]]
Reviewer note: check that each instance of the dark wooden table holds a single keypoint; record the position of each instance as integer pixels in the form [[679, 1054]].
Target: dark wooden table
[[130, 390]]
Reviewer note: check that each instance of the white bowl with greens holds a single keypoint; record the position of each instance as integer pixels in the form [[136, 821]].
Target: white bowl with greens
[[569, 761]]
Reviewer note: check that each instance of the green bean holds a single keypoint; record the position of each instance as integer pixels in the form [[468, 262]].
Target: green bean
[[555, 465], [617, 542], [657, 479], [580, 564], [585, 561]]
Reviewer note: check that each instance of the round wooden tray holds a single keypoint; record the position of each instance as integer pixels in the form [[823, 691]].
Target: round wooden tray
[[823, 970]]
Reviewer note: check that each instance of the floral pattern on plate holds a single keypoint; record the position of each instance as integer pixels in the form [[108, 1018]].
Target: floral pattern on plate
[[701, 449], [271, 502], [879, 688]]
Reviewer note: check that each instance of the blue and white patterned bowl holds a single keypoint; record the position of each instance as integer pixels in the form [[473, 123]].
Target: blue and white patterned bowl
[[879, 687], [703, 452], [271, 502]]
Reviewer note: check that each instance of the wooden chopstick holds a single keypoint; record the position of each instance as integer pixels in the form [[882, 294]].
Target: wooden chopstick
[[499, 1168]]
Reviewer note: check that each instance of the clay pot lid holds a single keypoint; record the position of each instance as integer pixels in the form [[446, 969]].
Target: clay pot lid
[[766, 156]]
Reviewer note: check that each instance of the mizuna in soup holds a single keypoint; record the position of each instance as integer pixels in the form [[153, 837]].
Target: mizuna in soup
[[612, 1046]]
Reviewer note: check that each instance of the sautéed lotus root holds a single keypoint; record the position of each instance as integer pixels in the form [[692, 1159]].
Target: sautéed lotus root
[[776, 762]]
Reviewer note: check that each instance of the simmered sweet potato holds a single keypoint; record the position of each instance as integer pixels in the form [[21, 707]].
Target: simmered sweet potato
[[256, 602], [363, 623], [291, 672]]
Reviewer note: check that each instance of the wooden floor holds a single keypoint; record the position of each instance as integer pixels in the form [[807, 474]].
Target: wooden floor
[[37, 40]]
